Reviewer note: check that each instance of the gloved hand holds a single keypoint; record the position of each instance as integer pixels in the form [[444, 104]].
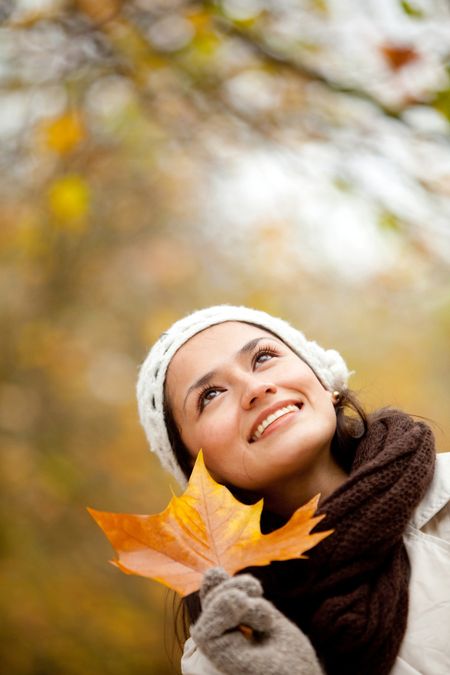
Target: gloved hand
[[276, 647]]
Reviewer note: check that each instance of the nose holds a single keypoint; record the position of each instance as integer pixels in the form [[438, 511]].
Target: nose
[[255, 390]]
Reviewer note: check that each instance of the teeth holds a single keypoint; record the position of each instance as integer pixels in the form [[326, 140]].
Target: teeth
[[271, 418]]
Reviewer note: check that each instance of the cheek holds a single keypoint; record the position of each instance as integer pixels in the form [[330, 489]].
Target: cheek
[[326, 406], [221, 441], [219, 430], [213, 434], [332, 420]]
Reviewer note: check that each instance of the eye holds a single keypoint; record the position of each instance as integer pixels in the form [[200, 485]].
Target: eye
[[263, 354], [207, 394]]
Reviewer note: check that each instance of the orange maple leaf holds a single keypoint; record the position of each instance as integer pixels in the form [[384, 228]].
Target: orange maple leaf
[[205, 527]]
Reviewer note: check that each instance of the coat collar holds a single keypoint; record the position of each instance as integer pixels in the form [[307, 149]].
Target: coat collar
[[437, 495]]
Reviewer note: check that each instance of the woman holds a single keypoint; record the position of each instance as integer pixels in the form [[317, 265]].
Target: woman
[[268, 409]]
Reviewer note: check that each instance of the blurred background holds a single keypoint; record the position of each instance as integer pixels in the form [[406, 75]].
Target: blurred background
[[157, 156]]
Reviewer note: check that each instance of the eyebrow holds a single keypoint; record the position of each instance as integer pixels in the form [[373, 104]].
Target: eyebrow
[[207, 377]]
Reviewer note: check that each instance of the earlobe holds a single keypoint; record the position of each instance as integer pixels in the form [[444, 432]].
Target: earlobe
[[336, 397]]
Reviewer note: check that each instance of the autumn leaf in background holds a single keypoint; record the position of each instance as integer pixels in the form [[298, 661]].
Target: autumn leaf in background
[[69, 198], [64, 133], [205, 527]]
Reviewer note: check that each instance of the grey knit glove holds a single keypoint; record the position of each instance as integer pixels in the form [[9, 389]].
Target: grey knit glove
[[277, 646]]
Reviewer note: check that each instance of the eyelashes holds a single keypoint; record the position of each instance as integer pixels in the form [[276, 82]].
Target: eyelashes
[[202, 400], [263, 350]]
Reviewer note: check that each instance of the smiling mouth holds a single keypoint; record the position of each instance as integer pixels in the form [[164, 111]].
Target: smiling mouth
[[270, 419]]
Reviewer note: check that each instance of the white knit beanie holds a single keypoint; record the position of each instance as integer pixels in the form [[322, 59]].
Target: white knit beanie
[[328, 365]]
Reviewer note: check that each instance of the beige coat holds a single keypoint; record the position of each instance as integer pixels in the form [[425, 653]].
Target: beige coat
[[426, 646]]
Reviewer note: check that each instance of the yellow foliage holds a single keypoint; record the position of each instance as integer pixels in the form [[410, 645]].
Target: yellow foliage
[[29, 240], [37, 344], [201, 20], [64, 133], [69, 200], [206, 44], [158, 322]]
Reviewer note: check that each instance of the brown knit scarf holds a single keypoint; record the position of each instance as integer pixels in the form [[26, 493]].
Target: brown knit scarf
[[351, 595]]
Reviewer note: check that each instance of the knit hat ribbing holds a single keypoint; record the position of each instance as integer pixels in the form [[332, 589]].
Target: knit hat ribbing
[[328, 365]]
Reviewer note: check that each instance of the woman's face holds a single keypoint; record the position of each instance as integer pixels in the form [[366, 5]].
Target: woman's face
[[255, 408]]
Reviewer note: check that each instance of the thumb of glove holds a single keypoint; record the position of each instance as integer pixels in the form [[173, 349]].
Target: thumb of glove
[[212, 578]]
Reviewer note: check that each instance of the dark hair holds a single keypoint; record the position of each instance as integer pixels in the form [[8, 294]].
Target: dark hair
[[351, 425]]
